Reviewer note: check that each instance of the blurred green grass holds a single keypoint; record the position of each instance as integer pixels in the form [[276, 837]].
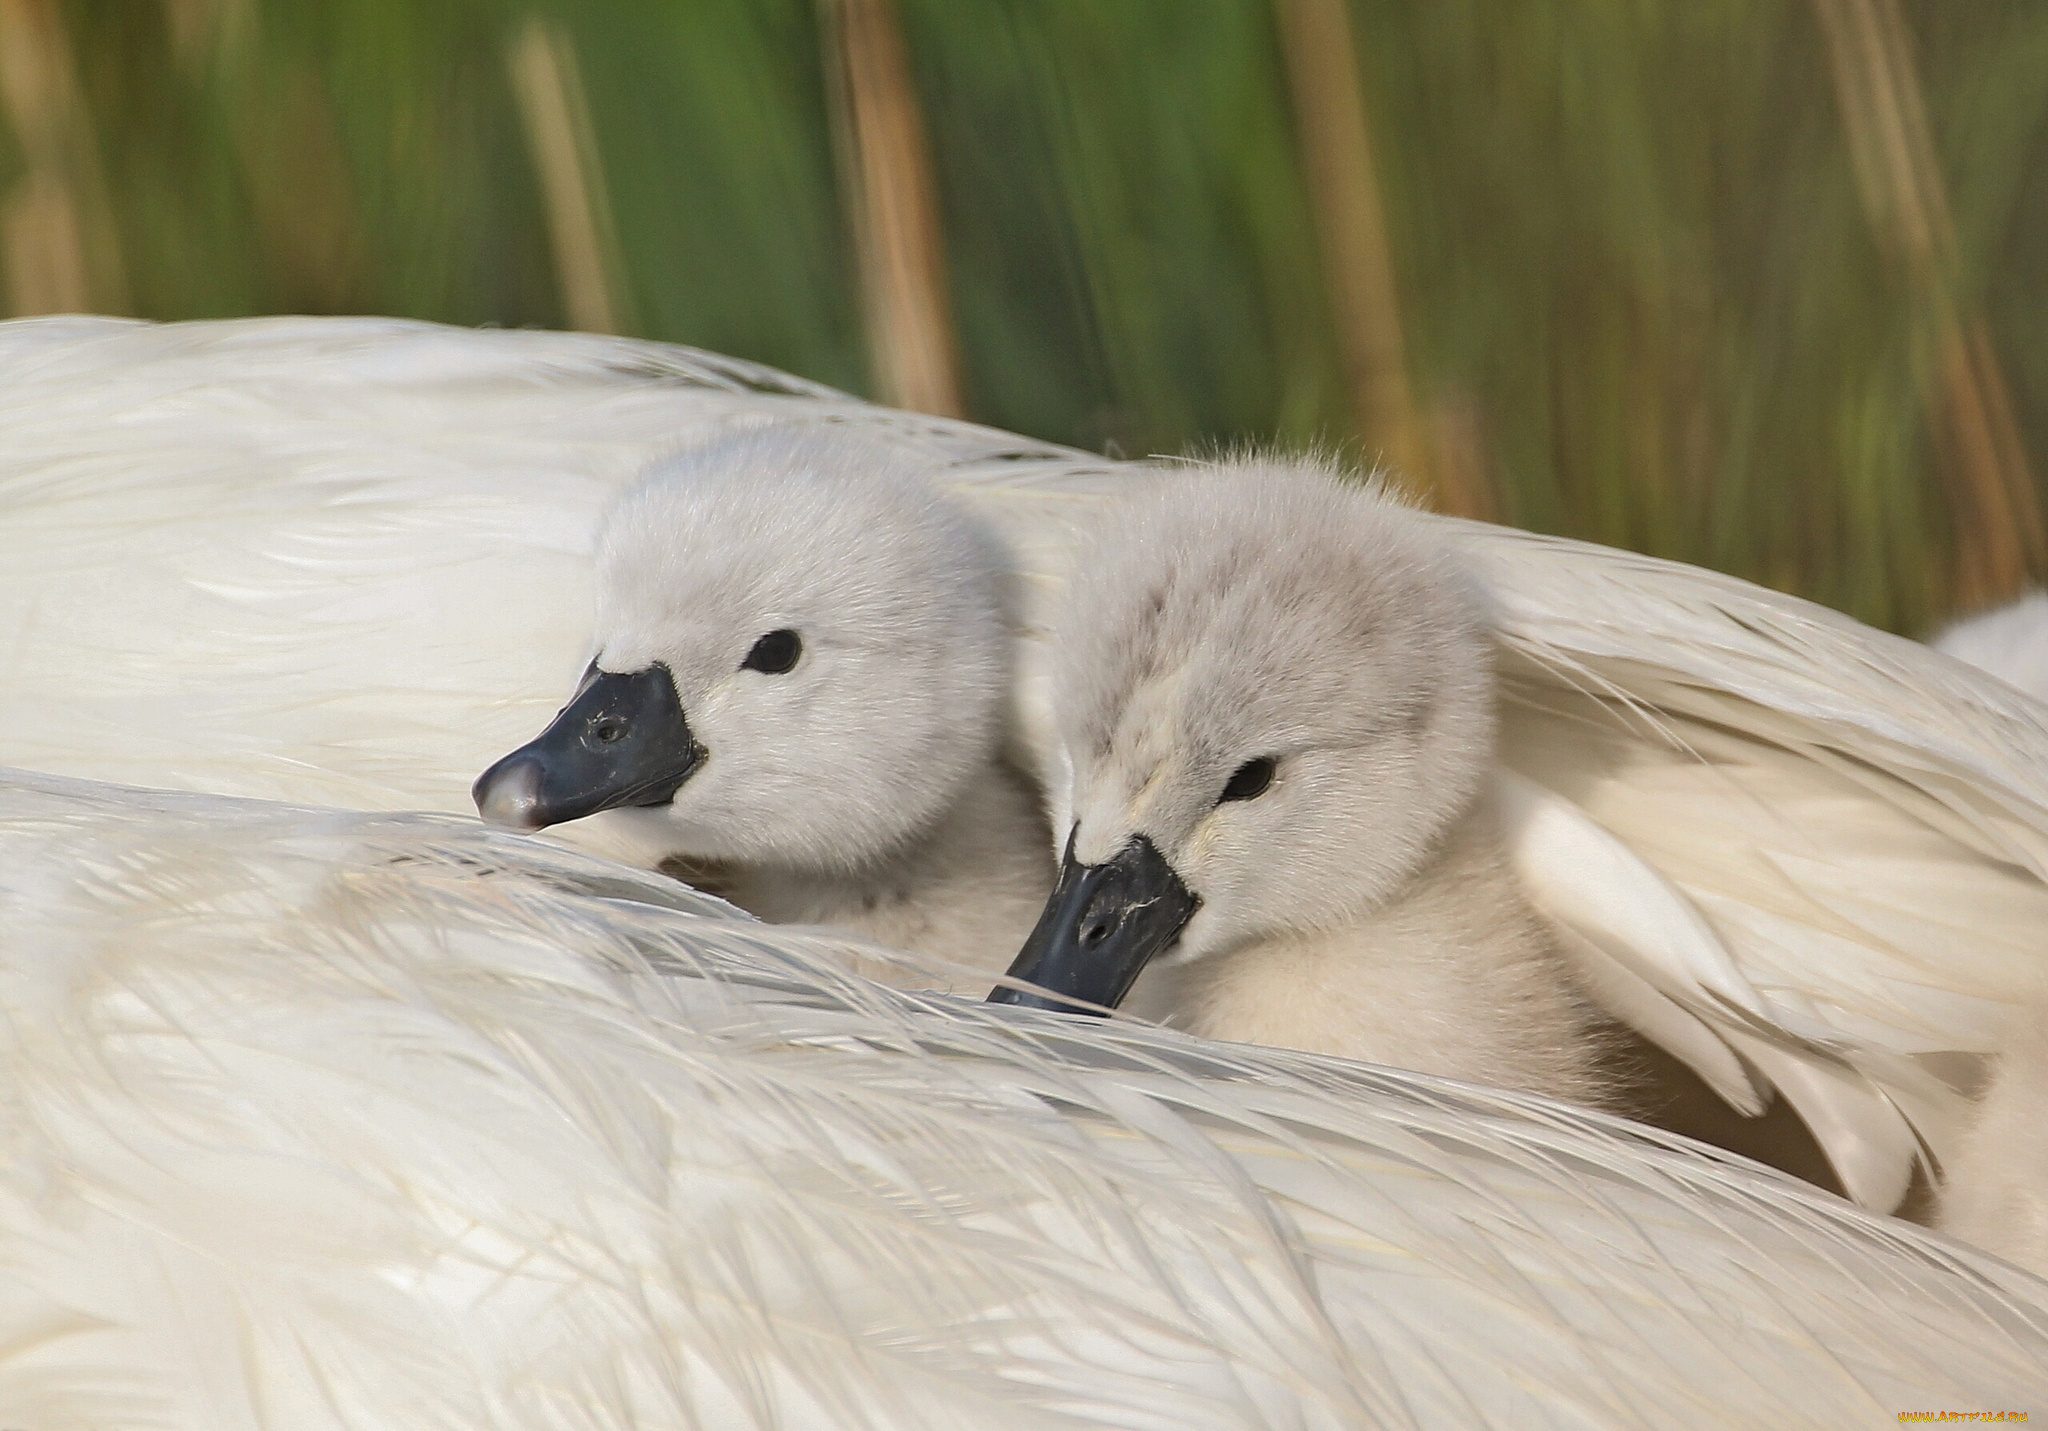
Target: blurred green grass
[[1640, 286]]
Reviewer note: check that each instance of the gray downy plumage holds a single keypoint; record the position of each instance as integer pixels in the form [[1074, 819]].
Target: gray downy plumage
[[853, 775], [1359, 902]]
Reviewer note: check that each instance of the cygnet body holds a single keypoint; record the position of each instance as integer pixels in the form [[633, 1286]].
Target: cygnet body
[[796, 700], [1276, 695]]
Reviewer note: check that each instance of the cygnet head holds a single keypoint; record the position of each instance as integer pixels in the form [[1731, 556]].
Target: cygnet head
[[1276, 695], [800, 655]]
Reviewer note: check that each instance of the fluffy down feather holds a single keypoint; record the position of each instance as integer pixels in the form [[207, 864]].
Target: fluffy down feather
[[1360, 903], [865, 786], [895, 703]]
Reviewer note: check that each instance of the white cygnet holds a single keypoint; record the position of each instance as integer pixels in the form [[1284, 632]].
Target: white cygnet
[[797, 700], [1276, 694]]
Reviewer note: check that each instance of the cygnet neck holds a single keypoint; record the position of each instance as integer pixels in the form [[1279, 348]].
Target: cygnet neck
[[967, 889], [1456, 976]]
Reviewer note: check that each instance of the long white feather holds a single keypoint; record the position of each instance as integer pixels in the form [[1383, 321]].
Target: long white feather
[[1612, 910], [315, 1119]]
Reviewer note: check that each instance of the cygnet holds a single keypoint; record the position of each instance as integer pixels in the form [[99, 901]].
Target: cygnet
[[796, 700], [1276, 695]]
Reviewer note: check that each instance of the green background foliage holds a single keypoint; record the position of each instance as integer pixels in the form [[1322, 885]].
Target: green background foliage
[[1634, 263]]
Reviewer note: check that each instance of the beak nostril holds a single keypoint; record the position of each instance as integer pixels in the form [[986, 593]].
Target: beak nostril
[[622, 742], [1094, 934]]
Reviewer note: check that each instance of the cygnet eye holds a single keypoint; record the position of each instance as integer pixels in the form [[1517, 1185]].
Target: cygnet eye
[[1250, 781], [774, 653]]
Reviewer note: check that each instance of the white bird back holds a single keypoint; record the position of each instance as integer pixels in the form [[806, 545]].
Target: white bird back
[[315, 1119], [2009, 641], [347, 560]]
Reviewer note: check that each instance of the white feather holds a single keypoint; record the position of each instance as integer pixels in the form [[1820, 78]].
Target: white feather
[[314, 1119], [2010, 641], [1615, 911], [347, 560]]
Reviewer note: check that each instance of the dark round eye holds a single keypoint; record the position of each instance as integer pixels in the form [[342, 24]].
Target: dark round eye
[[609, 730], [1250, 781], [774, 653]]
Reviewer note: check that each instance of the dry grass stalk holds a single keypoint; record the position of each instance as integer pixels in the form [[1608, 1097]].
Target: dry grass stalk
[[1335, 135], [1458, 456], [313, 250], [56, 236], [893, 196], [2000, 545], [548, 88]]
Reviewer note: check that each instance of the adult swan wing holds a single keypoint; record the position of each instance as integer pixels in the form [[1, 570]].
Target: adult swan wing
[[318, 1119]]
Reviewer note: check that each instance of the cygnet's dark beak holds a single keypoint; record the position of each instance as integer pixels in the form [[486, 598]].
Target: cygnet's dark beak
[[1100, 927], [622, 741]]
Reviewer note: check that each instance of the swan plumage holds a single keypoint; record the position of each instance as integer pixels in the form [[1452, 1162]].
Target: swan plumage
[[1998, 1178], [348, 561], [1815, 843], [2009, 641], [317, 1118], [1996, 1194]]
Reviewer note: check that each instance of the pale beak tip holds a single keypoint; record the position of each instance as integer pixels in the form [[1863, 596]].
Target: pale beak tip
[[508, 795]]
